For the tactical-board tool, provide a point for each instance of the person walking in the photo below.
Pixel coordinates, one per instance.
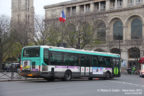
(133, 69)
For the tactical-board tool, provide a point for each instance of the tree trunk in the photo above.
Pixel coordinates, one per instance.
(0, 55)
(0, 61)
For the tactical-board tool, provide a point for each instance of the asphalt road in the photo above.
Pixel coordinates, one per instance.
(126, 85)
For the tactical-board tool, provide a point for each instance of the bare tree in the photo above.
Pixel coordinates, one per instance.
(22, 32)
(79, 34)
(45, 33)
(40, 33)
(4, 33)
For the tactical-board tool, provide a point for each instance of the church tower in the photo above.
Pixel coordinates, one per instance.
(22, 12)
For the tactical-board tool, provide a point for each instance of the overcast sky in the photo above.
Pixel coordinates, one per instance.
(5, 6)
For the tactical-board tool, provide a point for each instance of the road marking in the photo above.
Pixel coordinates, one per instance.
(128, 83)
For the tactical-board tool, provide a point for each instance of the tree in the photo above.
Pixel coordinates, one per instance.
(22, 32)
(45, 33)
(79, 34)
(4, 36)
(40, 34)
(55, 37)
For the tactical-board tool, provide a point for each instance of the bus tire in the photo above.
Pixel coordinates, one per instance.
(52, 79)
(68, 76)
(90, 78)
(107, 75)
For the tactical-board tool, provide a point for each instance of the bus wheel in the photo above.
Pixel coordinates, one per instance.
(107, 75)
(90, 78)
(52, 79)
(68, 76)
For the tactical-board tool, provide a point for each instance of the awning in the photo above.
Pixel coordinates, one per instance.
(141, 60)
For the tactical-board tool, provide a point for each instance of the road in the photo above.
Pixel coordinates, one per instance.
(126, 85)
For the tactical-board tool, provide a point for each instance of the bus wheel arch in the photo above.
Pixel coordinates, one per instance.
(67, 75)
(108, 75)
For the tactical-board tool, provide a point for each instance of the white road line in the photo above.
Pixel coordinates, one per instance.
(128, 83)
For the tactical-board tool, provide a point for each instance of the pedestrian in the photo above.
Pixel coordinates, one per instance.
(133, 69)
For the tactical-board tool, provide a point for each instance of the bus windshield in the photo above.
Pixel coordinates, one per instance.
(31, 52)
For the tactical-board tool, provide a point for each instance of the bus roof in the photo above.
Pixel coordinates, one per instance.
(79, 51)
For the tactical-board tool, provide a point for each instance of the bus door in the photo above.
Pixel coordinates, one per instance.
(85, 65)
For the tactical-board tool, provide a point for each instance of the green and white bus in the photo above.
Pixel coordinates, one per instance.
(66, 63)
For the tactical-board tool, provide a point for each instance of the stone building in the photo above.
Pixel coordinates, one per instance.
(122, 22)
(22, 19)
(22, 12)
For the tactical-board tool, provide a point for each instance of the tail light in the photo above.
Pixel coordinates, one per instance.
(21, 67)
(39, 67)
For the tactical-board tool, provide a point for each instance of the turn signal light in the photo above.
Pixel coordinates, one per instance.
(21, 67)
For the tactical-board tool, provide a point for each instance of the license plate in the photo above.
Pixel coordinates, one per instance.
(29, 75)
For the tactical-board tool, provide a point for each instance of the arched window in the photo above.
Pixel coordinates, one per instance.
(118, 30)
(134, 53)
(136, 29)
(101, 31)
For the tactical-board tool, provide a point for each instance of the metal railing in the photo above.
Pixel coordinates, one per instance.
(10, 75)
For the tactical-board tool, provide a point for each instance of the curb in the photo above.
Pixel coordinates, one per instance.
(10, 80)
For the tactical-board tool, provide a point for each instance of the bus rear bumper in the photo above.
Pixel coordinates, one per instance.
(36, 74)
(30, 74)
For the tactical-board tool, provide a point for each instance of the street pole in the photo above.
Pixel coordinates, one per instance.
(119, 48)
(61, 43)
(62, 37)
(0, 50)
(78, 42)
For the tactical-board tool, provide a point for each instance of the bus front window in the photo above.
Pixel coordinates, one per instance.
(31, 52)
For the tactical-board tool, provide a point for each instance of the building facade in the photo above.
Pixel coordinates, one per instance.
(22, 12)
(22, 20)
(122, 22)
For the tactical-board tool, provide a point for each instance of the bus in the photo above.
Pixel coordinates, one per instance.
(51, 63)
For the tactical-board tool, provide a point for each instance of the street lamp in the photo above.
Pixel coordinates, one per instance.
(119, 45)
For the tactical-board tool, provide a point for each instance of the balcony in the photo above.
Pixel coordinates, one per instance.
(116, 43)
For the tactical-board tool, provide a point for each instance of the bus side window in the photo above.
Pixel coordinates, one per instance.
(82, 60)
(107, 62)
(111, 61)
(46, 56)
(66, 59)
(95, 62)
(85, 60)
(76, 63)
(70, 59)
(56, 58)
(101, 61)
(114, 61)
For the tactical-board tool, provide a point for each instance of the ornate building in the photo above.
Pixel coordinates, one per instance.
(122, 22)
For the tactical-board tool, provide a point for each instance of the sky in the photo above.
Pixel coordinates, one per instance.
(5, 6)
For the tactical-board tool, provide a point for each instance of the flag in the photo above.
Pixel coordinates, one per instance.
(62, 18)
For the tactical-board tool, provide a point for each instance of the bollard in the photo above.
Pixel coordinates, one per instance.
(12, 72)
